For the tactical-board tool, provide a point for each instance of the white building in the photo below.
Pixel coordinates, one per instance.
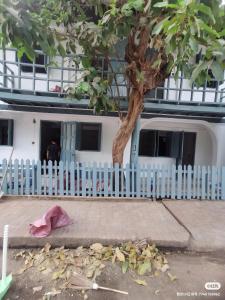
(179, 125)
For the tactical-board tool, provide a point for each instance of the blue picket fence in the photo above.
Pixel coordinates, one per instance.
(92, 179)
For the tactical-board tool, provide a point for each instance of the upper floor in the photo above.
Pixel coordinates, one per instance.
(45, 83)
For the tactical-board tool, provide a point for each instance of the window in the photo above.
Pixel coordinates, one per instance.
(40, 59)
(6, 132)
(155, 143)
(147, 143)
(88, 136)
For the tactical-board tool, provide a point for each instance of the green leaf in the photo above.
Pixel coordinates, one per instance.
(140, 282)
(206, 10)
(86, 62)
(167, 5)
(193, 44)
(61, 50)
(208, 29)
(222, 33)
(143, 268)
(217, 70)
(125, 266)
(200, 67)
(158, 28)
(84, 86)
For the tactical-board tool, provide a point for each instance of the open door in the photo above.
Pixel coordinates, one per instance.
(68, 141)
(189, 142)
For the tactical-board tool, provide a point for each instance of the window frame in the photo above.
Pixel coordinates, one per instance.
(10, 132)
(156, 142)
(79, 136)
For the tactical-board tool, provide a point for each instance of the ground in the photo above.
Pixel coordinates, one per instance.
(192, 270)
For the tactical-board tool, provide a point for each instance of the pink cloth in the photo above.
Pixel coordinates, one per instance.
(55, 217)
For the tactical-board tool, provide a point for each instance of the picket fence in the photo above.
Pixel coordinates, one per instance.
(92, 179)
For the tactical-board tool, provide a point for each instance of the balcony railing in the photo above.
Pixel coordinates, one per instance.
(55, 77)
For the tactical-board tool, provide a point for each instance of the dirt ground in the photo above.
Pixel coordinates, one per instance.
(192, 272)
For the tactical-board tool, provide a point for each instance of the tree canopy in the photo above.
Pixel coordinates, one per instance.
(160, 36)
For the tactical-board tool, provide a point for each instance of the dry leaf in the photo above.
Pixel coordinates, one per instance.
(140, 282)
(171, 277)
(165, 268)
(37, 289)
(97, 247)
(53, 293)
(157, 292)
(120, 256)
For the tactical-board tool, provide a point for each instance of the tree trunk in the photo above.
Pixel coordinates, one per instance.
(135, 106)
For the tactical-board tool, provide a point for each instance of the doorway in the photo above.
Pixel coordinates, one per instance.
(189, 141)
(50, 130)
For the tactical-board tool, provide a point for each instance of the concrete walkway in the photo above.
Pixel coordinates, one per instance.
(193, 225)
(108, 222)
(205, 220)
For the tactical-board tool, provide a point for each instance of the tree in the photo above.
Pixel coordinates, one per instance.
(159, 36)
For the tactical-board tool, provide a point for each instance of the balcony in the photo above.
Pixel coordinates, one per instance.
(45, 83)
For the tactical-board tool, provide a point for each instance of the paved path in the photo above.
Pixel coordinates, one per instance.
(194, 225)
(95, 221)
(204, 219)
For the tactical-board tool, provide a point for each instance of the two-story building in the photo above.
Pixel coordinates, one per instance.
(180, 123)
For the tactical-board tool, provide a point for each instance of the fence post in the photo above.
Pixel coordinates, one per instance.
(22, 177)
(61, 178)
(50, 177)
(209, 186)
(83, 180)
(223, 183)
(213, 195)
(39, 183)
(138, 181)
(45, 177)
(27, 178)
(149, 182)
(33, 179)
(153, 182)
(16, 177)
(72, 178)
(56, 177)
(94, 179)
(106, 180)
(203, 182)
(173, 181)
(162, 192)
(127, 180)
(4, 180)
(66, 178)
(117, 180)
(89, 179)
(189, 182)
(179, 181)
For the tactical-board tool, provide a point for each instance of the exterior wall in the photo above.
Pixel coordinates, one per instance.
(27, 136)
(210, 144)
(208, 149)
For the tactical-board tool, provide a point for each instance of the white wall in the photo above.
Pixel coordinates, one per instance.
(210, 142)
(205, 146)
(27, 135)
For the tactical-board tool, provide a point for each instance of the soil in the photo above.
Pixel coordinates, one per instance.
(192, 271)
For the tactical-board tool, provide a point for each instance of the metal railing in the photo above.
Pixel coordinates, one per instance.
(92, 179)
(55, 77)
